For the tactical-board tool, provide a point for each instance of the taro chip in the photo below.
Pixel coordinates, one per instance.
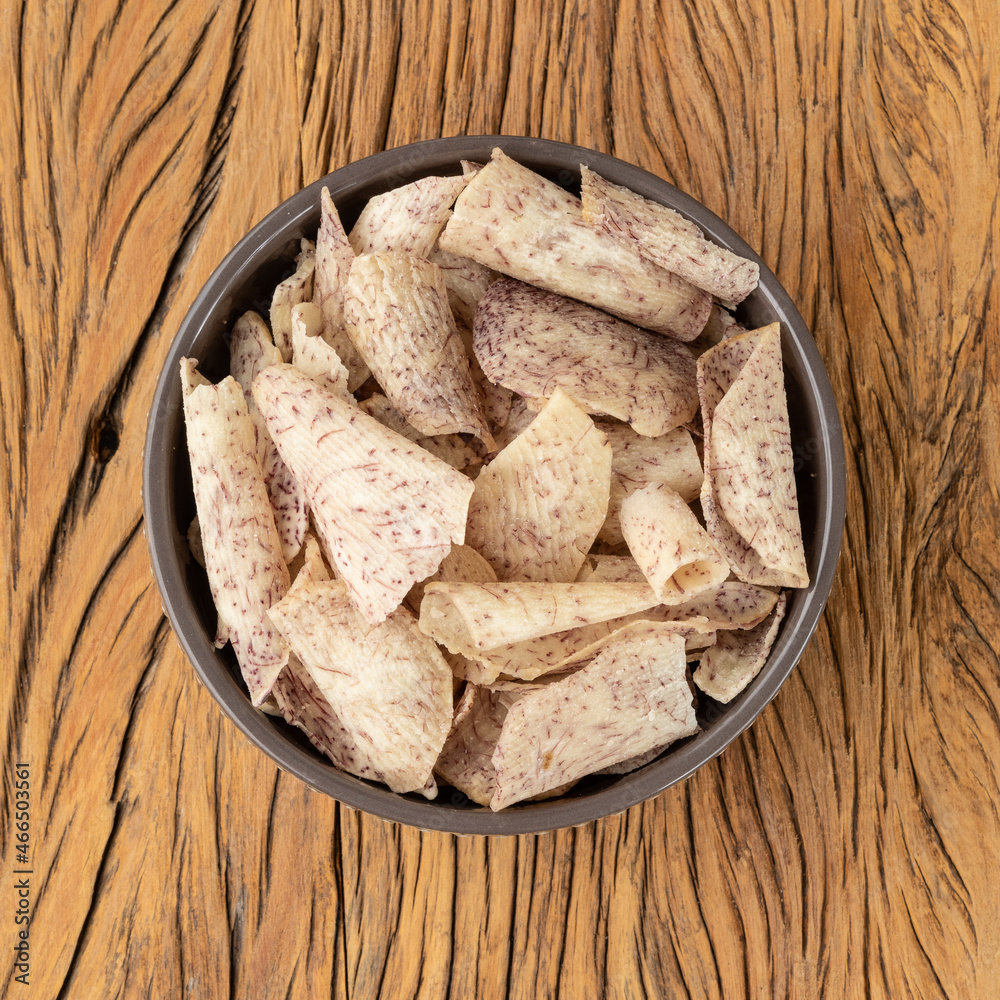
(737, 657)
(731, 605)
(673, 550)
(246, 571)
(471, 617)
(539, 504)
(462, 565)
(665, 237)
(519, 223)
(407, 218)
(293, 290)
(751, 465)
(534, 342)
(388, 684)
(450, 448)
(397, 313)
(636, 461)
(386, 510)
(601, 568)
(334, 258)
(466, 281)
(312, 355)
(634, 696)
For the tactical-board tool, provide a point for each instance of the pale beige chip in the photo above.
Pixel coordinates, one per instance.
(602, 568)
(636, 461)
(737, 657)
(462, 565)
(674, 551)
(386, 510)
(525, 226)
(388, 685)
(246, 571)
(466, 280)
(450, 448)
(312, 355)
(251, 350)
(334, 257)
(471, 617)
(539, 504)
(732, 604)
(721, 326)
(293, 290)
(407, 218)
(751, 465)
(398, 317)
(632, 697)
(535, 342)
(665, 237)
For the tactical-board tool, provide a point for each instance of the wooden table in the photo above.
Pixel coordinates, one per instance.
(846, 846)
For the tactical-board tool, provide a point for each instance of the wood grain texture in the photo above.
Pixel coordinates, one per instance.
(846, 845)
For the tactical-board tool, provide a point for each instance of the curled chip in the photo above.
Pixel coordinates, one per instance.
(539, 504)
(334, 257)
(535, 342)
(665, 237)
(293, 290)
(729, 666)
(312, 355)
(636, 461)
(385, 522)
(732, 604)
(749, 496)
(246, 572)
(633, 697)
(522, 225)
(407, 218)
(398, 317)
(388, 684)
(673, 550)
(469, 617)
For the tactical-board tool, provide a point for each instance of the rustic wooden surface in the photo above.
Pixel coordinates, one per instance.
(848, 845)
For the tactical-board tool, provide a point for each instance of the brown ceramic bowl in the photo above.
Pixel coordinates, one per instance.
(245, 280)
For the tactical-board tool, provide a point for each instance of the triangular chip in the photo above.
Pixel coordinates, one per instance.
(407, 218)
(671, 459)
(525, 226)
(673, 550)
(731, 605)
(751, 465)
(666, 238)
(462, 565)
(534, 342)
(334, 257)
(293, 290)
(386, 510)
(246, 572)
(737, 657)
(633, 697)
(312, 355)
(397, 313)
(469, 617)
(388, 685)
(539, 504)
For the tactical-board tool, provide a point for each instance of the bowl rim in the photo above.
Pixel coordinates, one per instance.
(405, 163)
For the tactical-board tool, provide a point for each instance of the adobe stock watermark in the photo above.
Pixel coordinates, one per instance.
(22, 873)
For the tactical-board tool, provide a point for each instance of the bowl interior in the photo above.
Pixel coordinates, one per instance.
(246, 279)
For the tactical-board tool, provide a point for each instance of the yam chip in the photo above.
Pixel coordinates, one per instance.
(521, 224)
(470, 617)
(450, 448)
(535, 342)
(407, 218)
(751, 466)
(293, 290)
(386, 510)
(312, 355)
(388, 684)
(673, 550)
(632, 697)
(246, 571)
(665, 237)
(636, 461)
(334, 257)
(737, 657)
(399, 319)
(539, 504)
